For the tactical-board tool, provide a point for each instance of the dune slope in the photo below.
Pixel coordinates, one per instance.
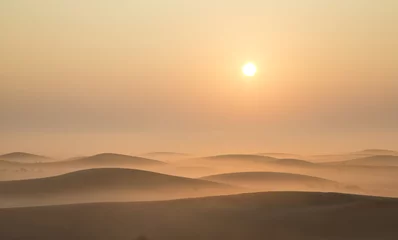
(273, 215)
(276, 181)
(99, 185)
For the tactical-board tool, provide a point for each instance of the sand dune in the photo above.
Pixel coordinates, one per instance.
(380, 160)
(98, 185)
(101, 160)
(351, 155)
(290, 162)
(104, 160)
(112, 159)
(376, 152)
(280, 155)
(24, 157)
(276, 181)
(167, 156)
(236, 159)
(273, 215)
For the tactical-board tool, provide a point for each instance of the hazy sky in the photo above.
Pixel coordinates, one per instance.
(88, 76)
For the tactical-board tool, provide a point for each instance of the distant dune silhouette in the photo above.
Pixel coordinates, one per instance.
(103, 160)
(167, 156)
(231, 158)
(276, 181)
(377, 152)
(280, 155)
(380, 160)
(273, 215)
(119, 159)
(293, 162)
(96, 185)
(351, 155)
(24, 157)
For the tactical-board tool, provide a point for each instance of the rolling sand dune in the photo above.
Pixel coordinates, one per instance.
(104, 160)
(351, 155)
(280, 155)
(376, 152)
(99, 185)
(379, 160)
(100, 161)
(276, 181)
(111, 159)
(24, 157)
(167, 156)
(272, 215)
(230, 159)
(290, 162)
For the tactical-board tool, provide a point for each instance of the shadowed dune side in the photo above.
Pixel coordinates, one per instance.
(272, 215)
(276, 181)
(100, 185)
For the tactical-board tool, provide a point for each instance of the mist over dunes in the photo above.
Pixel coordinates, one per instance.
(51, 195)
(275, 215)
(102, 160)
(378, 160)
(167, 156)
(230, 159)
(101, 185)
(276, 181)
(198, 120)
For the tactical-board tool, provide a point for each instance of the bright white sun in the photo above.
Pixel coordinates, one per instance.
(249, 69)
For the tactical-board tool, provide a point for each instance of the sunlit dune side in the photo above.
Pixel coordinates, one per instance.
(25, 157)
(101, 185)
(379, 160)
(272, 215)
(277, 181)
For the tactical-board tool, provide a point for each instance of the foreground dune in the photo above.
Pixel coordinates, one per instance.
(273, 215)
(101, 185)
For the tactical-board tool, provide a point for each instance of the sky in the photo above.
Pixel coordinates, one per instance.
(82, 77)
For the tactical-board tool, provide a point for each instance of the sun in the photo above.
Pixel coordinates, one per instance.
(249, 69)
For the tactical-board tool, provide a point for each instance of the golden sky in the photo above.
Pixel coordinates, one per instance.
(136, 76)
